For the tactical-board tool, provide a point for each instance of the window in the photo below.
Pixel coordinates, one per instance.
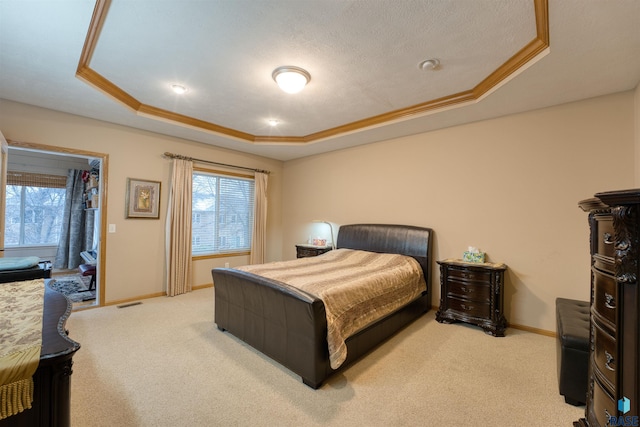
(222, 213)
(34, 206)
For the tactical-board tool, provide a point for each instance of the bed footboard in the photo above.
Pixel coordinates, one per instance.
(290, 325)
(283, 322)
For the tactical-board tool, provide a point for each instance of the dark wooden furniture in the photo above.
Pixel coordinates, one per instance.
(290, 325)
(572, 349)
(52, 380)
(40, 271)
(303, 251)
(89, 270)
(614, 364)
(472, 293)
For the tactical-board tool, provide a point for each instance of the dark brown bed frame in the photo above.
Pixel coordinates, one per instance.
(290, 325)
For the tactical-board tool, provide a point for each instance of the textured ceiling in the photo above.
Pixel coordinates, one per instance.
(363, 57)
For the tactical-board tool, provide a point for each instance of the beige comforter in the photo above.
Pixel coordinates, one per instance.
(356, 287)
(21, 309)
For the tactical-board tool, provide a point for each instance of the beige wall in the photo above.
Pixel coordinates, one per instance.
(509, 186)
(135, 253)
(637, 134)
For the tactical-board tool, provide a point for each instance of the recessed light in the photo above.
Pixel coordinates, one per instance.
(179, 89)
(429, 65)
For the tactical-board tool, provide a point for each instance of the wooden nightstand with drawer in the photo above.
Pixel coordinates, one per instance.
(303, 251)
(472, 293)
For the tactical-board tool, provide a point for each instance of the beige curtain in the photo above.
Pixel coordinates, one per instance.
(259, 236)
(178, 236)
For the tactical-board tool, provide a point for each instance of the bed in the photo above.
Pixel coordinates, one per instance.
(290, 325)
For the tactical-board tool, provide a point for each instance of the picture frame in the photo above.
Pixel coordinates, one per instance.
(143, 199)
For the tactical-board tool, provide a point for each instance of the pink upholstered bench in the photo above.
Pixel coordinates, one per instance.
(89, 270)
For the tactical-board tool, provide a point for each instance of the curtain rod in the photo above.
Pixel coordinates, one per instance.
(178, 156)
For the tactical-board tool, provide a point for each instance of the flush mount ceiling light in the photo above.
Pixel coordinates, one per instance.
(179, 89)
(291, 79)
(273, 122)
(429, 65)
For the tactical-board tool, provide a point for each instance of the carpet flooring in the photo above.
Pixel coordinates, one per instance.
(74, 287)
(164, 363)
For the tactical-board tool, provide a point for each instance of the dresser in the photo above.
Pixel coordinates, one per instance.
(472, 293)
(614, 381)
(52, 379)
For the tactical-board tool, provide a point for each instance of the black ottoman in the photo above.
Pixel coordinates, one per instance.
(572, 318)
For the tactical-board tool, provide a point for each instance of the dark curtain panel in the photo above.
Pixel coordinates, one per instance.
(77, 234)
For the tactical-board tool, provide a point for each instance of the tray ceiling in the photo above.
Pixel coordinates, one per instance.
(497, 57)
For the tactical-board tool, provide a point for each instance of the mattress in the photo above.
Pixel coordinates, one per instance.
(357, 288)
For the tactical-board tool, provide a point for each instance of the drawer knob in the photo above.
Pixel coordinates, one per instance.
(622, 246)
(607, 238)
(609, 361)
(626, 278)
(609, 301)
(466, 307)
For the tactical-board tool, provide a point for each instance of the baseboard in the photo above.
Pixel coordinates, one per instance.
(538, 331)
(157, 294)
(124, 301)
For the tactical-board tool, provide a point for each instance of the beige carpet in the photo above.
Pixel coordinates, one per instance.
(164, 363)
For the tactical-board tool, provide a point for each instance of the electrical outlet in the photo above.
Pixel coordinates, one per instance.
(226, 265)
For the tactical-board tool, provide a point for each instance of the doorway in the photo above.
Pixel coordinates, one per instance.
(80, 273)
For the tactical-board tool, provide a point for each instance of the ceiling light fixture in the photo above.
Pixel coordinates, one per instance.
(179, 89)
(291, 79)
(273, 122)
(429, 65)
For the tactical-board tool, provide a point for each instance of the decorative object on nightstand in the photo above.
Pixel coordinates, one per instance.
(333, 241)
(303, 251)
(472, 293)
(473, 255)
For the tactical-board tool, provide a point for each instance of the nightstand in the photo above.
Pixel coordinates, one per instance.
(472, 293)
(303, 251)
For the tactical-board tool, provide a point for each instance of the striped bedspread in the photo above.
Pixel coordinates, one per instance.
(356, 287)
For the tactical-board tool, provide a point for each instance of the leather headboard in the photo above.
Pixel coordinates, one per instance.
(388, 238)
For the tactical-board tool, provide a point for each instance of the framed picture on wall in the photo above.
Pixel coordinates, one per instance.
(143, 199)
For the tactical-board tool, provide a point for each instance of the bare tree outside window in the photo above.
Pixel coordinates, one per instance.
(33, 215)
